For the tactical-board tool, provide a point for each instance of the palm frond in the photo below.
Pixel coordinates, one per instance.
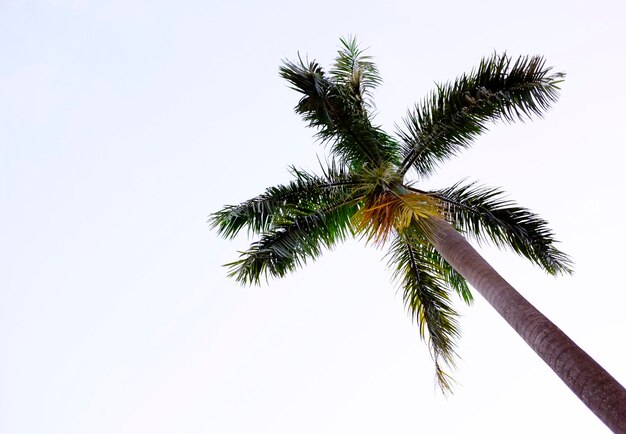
(337, 107)
(448, 274)
(454, 114)
(305, 192)
(293, 241)
(485, 214)
(426, 297)
(310, 80)
(355, 72)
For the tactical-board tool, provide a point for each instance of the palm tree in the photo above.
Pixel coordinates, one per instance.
(364, 190)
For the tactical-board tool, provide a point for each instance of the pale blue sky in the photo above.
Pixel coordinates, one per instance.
(123, 124)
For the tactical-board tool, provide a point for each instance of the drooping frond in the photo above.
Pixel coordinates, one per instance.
(262, 212)
(355, 72)
(426, 296)
(449, 274)
(485, 214)
(293, 241)
(337, 107)
(455, 113)
(310, 80)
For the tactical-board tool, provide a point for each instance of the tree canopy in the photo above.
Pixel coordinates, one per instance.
(368, 186)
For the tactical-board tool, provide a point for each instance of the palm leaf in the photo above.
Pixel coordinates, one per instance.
(426, 297)
(485, 214)
(262, 212)
(337, 106)
(355, 71)
(293, 241)
(454, 280)
(454, 114)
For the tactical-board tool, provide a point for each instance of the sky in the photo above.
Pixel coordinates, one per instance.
(124, 124)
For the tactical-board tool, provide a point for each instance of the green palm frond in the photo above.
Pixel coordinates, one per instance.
(305, 192)
(454, 280)
(315, 106)
(337, 107)
(485, 214)
(424, 284)
(356, 73)
(454, 114)
(293, 241)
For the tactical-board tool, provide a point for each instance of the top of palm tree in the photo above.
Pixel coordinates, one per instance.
(364, 189)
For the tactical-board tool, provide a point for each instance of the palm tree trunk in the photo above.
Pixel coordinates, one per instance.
(604, 396)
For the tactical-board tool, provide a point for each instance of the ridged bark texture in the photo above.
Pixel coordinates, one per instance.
(604, 396)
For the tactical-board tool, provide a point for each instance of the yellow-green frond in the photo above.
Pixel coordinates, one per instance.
(389, 212)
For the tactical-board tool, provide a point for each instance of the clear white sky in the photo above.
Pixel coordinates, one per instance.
(123, 124)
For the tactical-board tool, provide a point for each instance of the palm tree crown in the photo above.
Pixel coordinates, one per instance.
(364, 188)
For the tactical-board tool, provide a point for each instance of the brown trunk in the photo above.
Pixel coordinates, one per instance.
(604, 396)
